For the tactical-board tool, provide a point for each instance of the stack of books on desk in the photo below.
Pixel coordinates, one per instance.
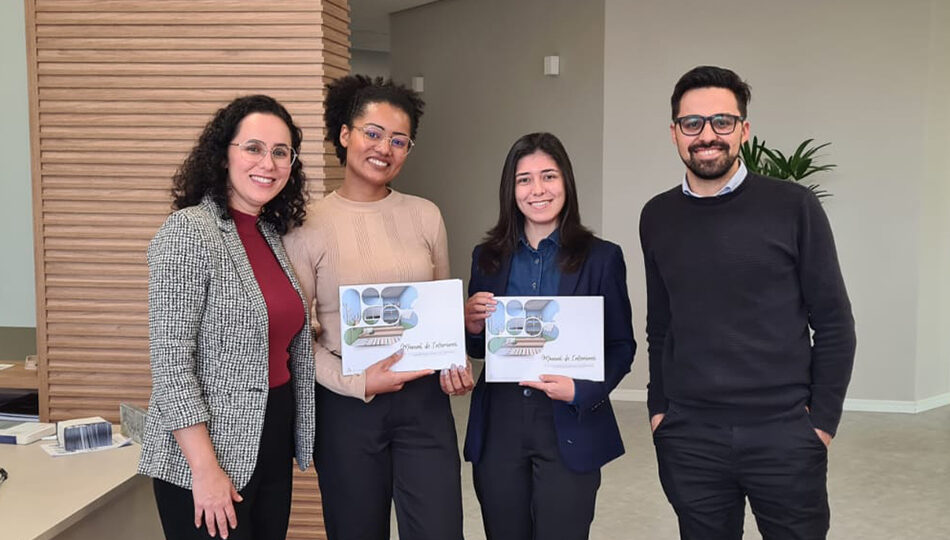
(13, 432)
(84, 433)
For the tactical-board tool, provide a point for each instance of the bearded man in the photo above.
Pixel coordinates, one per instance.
(750, 332)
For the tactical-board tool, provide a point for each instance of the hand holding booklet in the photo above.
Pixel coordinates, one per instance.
(529, 336)
(424, 319)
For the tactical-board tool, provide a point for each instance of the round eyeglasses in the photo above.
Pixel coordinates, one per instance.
(254, 151)
(374, 135)
(722, 124)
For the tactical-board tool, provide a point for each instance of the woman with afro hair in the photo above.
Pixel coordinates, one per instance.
(382, 435)
(229, 333)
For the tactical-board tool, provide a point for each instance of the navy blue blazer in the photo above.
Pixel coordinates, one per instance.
(587, 432)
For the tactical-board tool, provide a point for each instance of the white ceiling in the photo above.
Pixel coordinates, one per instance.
(369, 21)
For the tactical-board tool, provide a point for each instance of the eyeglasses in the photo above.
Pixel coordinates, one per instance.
(254, 152)
(376, 135)
(722, 124)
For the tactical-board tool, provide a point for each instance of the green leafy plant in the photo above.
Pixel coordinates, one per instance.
(761, 159)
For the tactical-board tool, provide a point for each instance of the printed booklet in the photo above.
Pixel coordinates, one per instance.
(528, 336)
(424, 319)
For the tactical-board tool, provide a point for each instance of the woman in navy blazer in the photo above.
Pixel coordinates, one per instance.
(537, 447)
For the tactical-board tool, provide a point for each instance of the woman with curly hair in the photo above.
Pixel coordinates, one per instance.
(382, 435)
(229, 335)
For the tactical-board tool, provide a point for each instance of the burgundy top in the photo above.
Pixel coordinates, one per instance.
(284, 308)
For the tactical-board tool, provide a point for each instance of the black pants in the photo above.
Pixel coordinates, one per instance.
(708, 468)
(525, 490)
(265, 511)
(400, 446)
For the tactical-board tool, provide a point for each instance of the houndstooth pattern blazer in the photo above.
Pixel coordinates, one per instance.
(208, 347)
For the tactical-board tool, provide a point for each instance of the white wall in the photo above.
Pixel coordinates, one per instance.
(482, 63)
(869, 76)
(17, 296)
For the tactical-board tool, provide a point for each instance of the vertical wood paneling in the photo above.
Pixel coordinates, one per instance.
(119, 90)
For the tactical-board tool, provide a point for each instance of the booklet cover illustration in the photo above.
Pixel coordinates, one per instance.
(529, 336)
(522, 329)
(424, 319)
(377, 318)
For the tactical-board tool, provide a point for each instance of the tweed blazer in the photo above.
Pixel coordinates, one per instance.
(208, 347)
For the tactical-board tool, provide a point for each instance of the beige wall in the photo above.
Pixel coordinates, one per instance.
(870, 76)
(372, 63)
(482, 63)
(933, 359)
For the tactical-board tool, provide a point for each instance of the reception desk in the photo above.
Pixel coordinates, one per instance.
(18, 376)
(94, 495)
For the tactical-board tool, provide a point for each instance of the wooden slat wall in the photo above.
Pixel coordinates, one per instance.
(119, 90)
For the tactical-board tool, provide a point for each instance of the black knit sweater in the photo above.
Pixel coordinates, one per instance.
(733, 285)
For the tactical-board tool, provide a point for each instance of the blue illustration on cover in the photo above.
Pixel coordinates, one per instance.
(378, 318)
(518, 329)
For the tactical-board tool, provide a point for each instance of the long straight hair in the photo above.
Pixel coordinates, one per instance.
(502, 239)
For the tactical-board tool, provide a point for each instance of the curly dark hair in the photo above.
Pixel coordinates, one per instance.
(502, 239)
(348, 96)
(204, 172)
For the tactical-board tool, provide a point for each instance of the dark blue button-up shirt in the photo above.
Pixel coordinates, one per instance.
(534, 272)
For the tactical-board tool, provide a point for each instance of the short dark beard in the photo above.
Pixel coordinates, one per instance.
(710, 170)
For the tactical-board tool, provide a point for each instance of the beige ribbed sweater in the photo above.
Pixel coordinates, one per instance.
(398, 239)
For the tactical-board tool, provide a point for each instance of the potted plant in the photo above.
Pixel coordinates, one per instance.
(760, 159)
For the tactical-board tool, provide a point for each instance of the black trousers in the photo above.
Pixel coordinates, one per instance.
(400, 446)
(708, 469)
(525, 490)
(265, 511)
